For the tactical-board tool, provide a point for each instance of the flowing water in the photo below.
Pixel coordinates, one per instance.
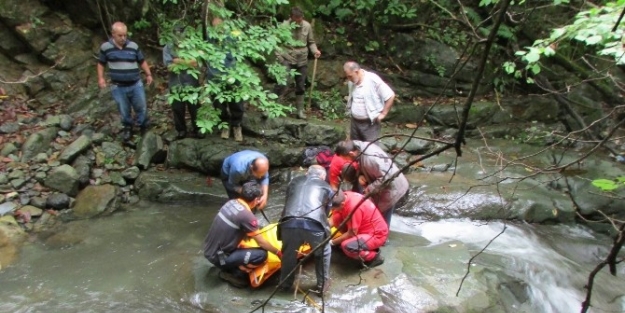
(149, 259)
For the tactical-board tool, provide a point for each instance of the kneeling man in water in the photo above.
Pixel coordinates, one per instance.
(234, 222)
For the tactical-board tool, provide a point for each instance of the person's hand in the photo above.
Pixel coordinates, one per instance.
(362, 181)
(102, 82)
(317, 54)
(148, 79)
(263, 202)
(279, 254)
(380, 117)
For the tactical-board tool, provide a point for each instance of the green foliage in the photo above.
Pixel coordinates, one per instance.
(609, 184)
(246, 42)
(331, 104)
(366, 12)
(141, 24)
(591, 27)
(439, 68)
(447, 35)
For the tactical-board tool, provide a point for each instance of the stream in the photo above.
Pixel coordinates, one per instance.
(149, 259)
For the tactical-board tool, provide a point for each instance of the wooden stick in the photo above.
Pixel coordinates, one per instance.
(299, 276)
(312, 84)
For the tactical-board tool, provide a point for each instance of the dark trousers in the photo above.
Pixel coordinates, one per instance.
(292, 239)
(179, 108)
(245, 257)
(231, 112)
(364, 130)
(300, 80)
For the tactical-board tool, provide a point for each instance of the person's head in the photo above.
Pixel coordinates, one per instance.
(352, 71)
(349, 172)
(260, 167)
(297, 15)
(316, 171)
(347, 150)
(338, 201)
(251, 192)
(119, 33)
(216, 21)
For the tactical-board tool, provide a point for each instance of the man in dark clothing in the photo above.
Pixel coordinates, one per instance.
(178, 79)
(234, 222)
(305, 220)
(231, 110)
(125, 61)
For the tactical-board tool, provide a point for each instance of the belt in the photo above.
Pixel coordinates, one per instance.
(124, 84)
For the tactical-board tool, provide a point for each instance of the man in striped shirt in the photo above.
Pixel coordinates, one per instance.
(124, 59)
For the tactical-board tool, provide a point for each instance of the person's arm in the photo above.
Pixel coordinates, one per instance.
(310, 41)
(388, 95)
(263, 243)
(101, 80)
(263, 199)
(346, 235)
(146, 68)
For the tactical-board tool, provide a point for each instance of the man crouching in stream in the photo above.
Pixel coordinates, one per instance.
(233, 223)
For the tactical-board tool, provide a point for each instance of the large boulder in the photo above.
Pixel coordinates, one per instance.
(64, 179)
(96, 200)
(164, 187)
(38, 142)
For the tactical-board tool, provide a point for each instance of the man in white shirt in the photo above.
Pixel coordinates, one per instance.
(370, 99)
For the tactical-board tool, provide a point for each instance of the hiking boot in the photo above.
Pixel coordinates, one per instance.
(299, 104)
(378, 260)
(143, 129)
(319, 289)
(225, 133)
(237, 281)
(126, 133)
(238, 134)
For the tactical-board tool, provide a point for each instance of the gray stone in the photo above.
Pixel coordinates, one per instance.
(77, 147)
(148, 147)
(66, 122)
(131, 173)
(98, 138)
(64, 179)
(96, 200)
(7, 207)
(15, 174)
(24, 199)
(63, 134)
(112, 150)
(18, 183)
(415, 145)
(117, 178)
(55, 163)
(82, 165)
(97, 172)
(41, 157)
(32, 210)
(40, 176)
(37, 143)
(2, 198)
(53, 120)
(58, 201)
(7, 149)
(165, 188)
(39, 202)
(4, 178)
(9, 128)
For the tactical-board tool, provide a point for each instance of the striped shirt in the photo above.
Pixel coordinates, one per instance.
(124, 64)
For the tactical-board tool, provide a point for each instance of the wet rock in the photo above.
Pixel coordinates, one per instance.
(39, 202)
(58, 201)
(41, 158)
(415, 145)
(82, 165)
(96, 200)
(2, 198)
(74, 149)
(131, 173)
(402, 296)
(11, 236)
(9, 128)
(149, 146)
(117, 178)
(163, 187)
(64, 179)
(7, 149)
(37, 143)
(4, 178)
